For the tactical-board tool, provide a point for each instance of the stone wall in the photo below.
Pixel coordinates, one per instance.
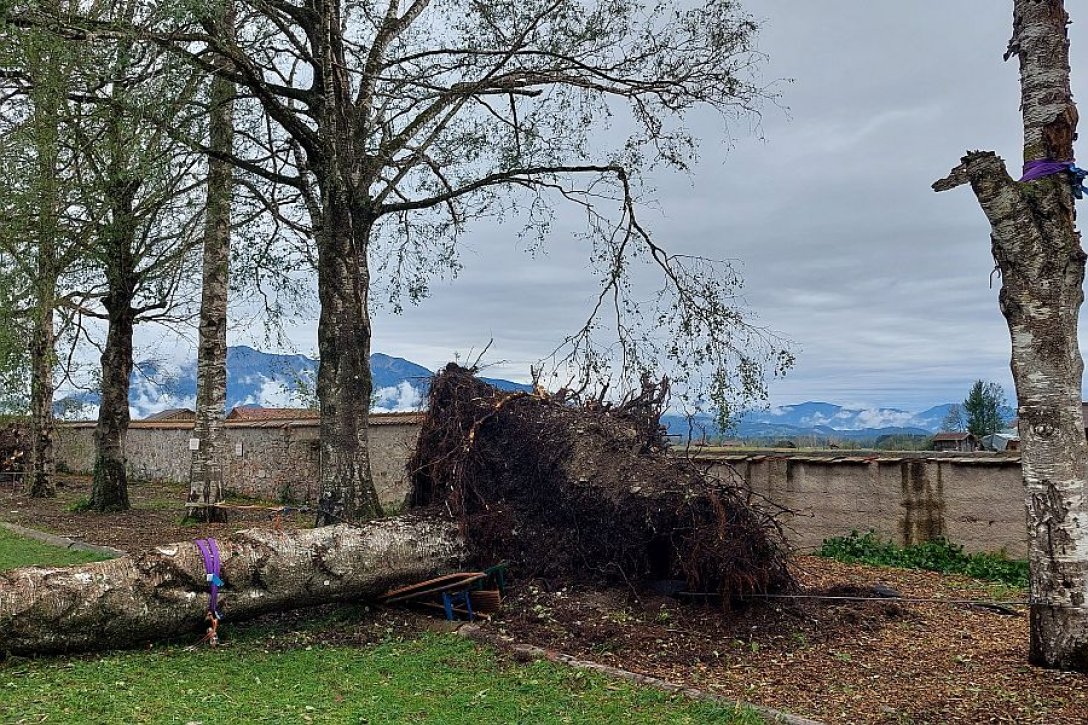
(973, 499)
(272, 460)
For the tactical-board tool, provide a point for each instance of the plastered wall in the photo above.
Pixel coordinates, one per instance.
(972, 499)
(975, 500)
(272, 461)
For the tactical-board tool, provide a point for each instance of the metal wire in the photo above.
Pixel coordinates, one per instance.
(906, 600)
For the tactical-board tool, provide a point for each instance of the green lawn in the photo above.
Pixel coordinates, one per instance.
(437, 678)
(17, 551)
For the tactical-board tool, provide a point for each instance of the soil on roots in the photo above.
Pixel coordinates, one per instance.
(585, 491)
(14, 451)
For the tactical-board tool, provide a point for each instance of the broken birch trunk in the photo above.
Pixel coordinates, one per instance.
(1037, 247)
(163, 593)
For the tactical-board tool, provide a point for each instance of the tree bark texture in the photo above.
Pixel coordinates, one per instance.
(42, 346)
(47, 98)
(206, 472)
(1037, 248)
(109, 490)
(163, 593)
(344, 383)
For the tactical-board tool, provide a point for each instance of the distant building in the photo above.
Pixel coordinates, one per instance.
(172, 415)
(1006, 440)
(256, 412)
(955, 441)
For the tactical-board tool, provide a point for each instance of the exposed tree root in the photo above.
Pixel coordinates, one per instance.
(576, 490)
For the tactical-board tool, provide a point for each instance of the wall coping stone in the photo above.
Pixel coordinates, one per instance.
(980, 458)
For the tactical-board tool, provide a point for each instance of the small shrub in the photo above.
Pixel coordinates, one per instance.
(938, 555)
(286, 494)
(80, 505)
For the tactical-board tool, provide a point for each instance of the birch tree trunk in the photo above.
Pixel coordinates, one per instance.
(206, 472)
(1037, 247)
(163, 593)
(47, 97)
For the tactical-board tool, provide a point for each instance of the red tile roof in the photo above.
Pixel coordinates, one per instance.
(254, 412)
(173, 414)
(309, 416)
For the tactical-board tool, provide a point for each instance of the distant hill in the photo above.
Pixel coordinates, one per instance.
(277, 380)
(261, 378)
(819, 420)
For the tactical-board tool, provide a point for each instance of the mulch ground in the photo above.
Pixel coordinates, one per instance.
(841, 661)
(156, 516)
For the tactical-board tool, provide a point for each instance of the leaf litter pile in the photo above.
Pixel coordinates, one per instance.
(584, 491)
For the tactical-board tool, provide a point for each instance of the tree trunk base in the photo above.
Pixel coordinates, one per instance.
(109, 488)
(1059, 638)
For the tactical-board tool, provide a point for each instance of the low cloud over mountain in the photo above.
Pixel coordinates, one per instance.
(273, 380)
(260, 378)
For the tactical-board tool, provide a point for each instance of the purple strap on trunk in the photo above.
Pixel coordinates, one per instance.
(1038, 169)
(209, 551)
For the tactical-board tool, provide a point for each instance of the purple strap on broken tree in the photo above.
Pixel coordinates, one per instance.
(1038, 169)
(209, 551)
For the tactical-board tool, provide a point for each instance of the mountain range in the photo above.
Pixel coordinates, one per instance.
(277, 380)
(260, 378)
(824, 420)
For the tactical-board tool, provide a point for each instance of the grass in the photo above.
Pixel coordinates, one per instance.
(17, 551)
(938, 555)
(436, 678)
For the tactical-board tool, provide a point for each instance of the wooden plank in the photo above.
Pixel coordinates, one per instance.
(460, 580)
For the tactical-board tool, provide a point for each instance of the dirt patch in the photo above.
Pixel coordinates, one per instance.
(155, 517)
(880, 661)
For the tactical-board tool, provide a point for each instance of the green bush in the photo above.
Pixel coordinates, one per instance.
(938, 555)
(80, 505)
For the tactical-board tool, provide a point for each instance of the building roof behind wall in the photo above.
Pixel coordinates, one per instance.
(173, 414)
(256, 412)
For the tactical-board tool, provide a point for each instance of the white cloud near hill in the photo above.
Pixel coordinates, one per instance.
(147, 397)
(396, 399)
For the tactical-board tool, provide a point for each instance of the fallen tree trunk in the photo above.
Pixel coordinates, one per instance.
(163, 593)
(561, 490)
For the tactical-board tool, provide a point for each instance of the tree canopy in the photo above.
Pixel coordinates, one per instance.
(984, 408)
(374, 134)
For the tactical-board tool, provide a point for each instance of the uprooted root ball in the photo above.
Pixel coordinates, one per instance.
(586, 492)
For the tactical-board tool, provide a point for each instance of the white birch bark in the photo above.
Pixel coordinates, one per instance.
(1037, 247)
(163, 593)
(206, 471)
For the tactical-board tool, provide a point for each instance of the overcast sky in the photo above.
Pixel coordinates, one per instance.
(883, 285)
